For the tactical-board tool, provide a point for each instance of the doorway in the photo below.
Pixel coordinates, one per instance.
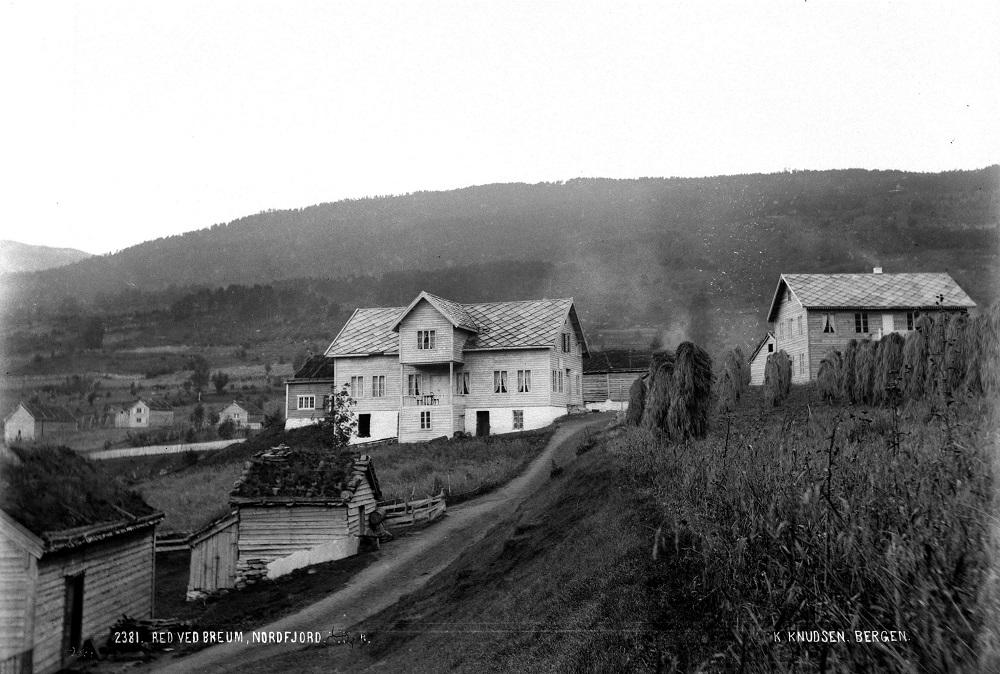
(364, 425)
(482, 424)
(73, 617)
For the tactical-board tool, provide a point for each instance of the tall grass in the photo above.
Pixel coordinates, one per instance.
(796, 524)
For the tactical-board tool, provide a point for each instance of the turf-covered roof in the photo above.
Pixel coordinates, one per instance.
(305, 474)
(616, 360)
(315, 367)
(494, 325)
(66, 500)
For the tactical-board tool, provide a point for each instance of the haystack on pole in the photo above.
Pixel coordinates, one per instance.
(975, 352)
(915, 359)
(658, 391)
(636, 402)
(829, 376)
(777, 377)
(956, 351)
(744, 364)
(989, 351)
(864, 372)
(691, 394)
(848, 365)
(937, 375)
(732, 382)
(887, 383)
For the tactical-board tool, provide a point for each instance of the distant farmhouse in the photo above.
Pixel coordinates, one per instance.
(243, 415)
(31, 421)
(291, 508)
(73, 559)
(145, 414)
(608, 376)
(437, 367)
(812, 314)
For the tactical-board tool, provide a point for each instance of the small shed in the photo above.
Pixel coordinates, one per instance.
(33, 421)
(145, 414)
(291, 508)
(758, 359)
(243, 414)
(608, 376)
(74, 557)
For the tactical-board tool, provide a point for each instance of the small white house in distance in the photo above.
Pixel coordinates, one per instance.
(439, 367)
(813, 314)
(243, 415)
(145, 414)
(31, 421)
(758, 359)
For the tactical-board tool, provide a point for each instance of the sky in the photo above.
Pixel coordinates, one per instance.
(128, 121)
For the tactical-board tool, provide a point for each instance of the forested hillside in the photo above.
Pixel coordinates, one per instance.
(694, 258)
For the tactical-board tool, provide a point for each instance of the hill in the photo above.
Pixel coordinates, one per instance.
(645, 259)
(21, 257)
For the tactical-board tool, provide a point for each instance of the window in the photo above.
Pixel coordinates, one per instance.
(829, 327)
(413, 384)
(557, 381)
(770, 348)
(378, 386)
(425, 421)
(357, 387)
(566, 343)
(799, 321)
(554, 386)
(802, 363)
(499, 381)
(138, 420)
(911, 319)
(518, 420)
(861, 322)
(523, 381)
(306, 402)
(578, 389)
(425, 339)
(461, 383)
(789, 328)
(569, 380)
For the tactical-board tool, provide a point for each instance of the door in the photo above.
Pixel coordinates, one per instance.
(73, 617)
(362, 522)
(888, 324)
(482, 423)
(364, 425)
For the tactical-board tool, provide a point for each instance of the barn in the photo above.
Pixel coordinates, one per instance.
(291, 508)
(758, 359)
(74, 557)
(32, 421)
(608, 376)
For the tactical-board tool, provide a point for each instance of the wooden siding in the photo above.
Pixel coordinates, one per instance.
(442, 420)
(362, 497)
(572, 394)
(760, 361)
(19, 423)
(117, 579)
(482, 364)
(601, 386)
(270, 533)
(367, 367)
(791, 335)
(310, 388)
(18, 576)
(213, 557)
(434, 380)
(425, 317)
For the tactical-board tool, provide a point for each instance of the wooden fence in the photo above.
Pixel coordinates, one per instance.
(152, 450)
(410, 513)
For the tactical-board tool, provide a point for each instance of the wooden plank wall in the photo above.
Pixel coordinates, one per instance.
(118, 579)
(270, 533)
(362, 497)
(18, 575)
(213, 560)
(425, 317)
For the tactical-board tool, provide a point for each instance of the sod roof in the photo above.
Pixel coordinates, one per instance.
(304, 474)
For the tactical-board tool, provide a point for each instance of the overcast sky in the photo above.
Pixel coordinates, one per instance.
(127, 121)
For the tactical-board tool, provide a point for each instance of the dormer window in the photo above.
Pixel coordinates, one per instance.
(425, 339)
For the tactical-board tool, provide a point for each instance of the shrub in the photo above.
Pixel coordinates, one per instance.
(691, 396)
(227, 429)
(915, 359)
(777, 378)
(658, 391)
(864, 372)
(829, 376)
(636, 402)
(886, 384)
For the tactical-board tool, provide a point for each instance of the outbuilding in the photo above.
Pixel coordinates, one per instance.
(243, 415)
(34, 422)
(608, 376)
(758, 359)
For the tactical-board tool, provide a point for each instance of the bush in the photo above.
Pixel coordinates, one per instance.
(830, 375)
(777, 378)
(691, 396)
(887, 382)
(227, 429)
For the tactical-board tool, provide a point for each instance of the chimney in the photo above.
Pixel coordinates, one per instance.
(877, 270)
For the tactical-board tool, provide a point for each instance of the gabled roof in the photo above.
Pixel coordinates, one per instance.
(155, 405)
(760, 345)
(249, 408)
(48, 413)
(495, 325)
(871, 291)
(456, 313)
(315, 367)
(617, 360)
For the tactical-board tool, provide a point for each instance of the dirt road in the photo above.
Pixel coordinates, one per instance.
(405, 565)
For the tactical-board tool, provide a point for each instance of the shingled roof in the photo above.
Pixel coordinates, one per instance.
(315, 367)
(48, 413)
(495, 325)
(872, 291)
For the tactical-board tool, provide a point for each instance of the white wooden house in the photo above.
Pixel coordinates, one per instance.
(145, 414)
(437, 367)
(69, 571)
(758, 359)
(35, 422)
(243, 415)
(291, 509)
(812, 314)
